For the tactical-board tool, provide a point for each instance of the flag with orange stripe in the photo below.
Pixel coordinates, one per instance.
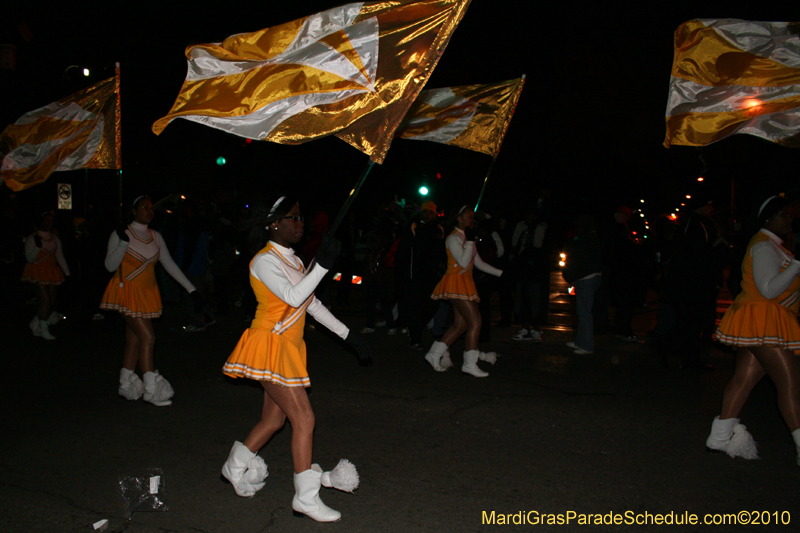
(474, 117)
(351, 71)
(734, 76)
(80, 131)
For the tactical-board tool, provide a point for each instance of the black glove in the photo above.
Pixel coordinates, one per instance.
(469, 233)
(37, 240)
(121, 233)
(362, 348)
(198, 301)
(328, 251)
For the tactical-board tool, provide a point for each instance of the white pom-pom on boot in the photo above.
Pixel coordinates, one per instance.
(434, 355)
(470, 365)
(742, 444)
(306, 499)
(245, 470)
(796, 437)
(344, 477)
(55, 318)
(130, 386)
(729, 436)
(445, 362)
(489, 357)
(157, 390)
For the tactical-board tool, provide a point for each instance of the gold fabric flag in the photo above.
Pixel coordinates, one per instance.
(352, 71)
(474, 117)
(734, 76)
(80, 131)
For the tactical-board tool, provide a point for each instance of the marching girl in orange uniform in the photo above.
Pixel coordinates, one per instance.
(762, 323)
(44, 254)
(273, 352)
(458, 286)
(132, 254)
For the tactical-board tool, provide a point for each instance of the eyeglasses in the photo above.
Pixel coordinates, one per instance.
(295, 218)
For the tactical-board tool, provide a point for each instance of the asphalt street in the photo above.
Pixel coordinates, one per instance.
(614, 435)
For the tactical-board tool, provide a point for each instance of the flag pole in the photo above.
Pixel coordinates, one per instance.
(485, 181)
(118, 139)
(353, 193)
(494, 158)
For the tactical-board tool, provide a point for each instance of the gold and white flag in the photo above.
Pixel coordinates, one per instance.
(734, 76)
(474, 117)
(80, 131)
(352, 71)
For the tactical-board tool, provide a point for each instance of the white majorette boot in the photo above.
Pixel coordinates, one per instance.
(731, 437)
(445, 362)
(43, 331)
(434, 355)
(489, 357)
(34, 325)
(306, 497)
(796, 437)
(130, 386)
(470, 365)
(157, 390)
(245, 470)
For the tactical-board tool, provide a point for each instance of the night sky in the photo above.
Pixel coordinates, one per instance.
(589, 126)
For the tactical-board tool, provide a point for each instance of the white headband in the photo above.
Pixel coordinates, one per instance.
(768, 200)
(461, 210)
(139, 198)
(275, 206)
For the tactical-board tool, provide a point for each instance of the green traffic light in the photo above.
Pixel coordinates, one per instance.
(221, 161)
(423, 190)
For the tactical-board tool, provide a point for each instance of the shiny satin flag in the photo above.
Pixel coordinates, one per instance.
(474, 117)
(352, 71)
(80, 131)
(734, 76)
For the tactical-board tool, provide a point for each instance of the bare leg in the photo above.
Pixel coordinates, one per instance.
(748, 372)
(783, 367)
(470, 313)
(43, 296)
(272, 419)
(140, 341)
(293, 401)
(458, 327)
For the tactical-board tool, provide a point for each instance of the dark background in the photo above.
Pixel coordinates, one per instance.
(589, 125)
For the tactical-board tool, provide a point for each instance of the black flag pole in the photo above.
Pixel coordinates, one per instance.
(353, 193)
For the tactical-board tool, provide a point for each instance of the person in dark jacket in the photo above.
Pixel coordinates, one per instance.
(417, 265)
(584, 271)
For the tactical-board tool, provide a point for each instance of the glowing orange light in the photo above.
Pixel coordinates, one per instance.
(673, 216)
(751, 103)
(688, 196)
(701, 178)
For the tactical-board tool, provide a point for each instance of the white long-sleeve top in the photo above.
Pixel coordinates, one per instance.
(293, 286)
(464, 252)
(117, 248)
(768, 258)
(51, 244)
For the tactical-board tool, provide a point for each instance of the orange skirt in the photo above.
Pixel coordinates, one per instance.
(44, 273)
(265, 356)
(134, 299)
(759, 324)
(456, 287)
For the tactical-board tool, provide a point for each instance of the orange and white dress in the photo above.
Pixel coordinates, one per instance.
(43, 263)
(765, 312)
(457, 283)
(133, 290)
(273, 349)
